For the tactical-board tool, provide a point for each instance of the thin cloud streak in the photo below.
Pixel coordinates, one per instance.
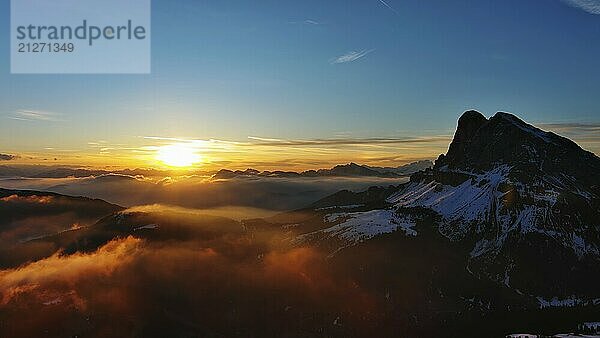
(351, 56)
(270, 141)
(308, 22)
(264, 139)
(590, 6)
(347, 141)
(35, 115)
(389, 7)
(571, 127)
(311, 22)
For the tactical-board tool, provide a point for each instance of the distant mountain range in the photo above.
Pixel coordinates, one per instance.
(345, 170)
(46, 171)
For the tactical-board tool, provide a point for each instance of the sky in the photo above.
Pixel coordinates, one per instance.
(308, 84)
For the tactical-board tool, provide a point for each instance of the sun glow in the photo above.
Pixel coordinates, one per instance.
(178, 155)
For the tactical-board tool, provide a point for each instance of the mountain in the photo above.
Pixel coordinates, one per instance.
(405, 170)
(16, 205)
(529, 200)
(26, 217)
(155, 226)
(350, 169)
(342, 170)
(523, 204)
(49, 171)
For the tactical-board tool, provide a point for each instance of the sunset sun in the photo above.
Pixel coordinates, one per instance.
(178, 155)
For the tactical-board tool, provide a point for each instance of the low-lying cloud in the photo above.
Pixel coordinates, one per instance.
(199, 192)
(135, 287)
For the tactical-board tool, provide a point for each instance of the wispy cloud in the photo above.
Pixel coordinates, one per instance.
(7, 157)
(572, 127)
(262, 141)
(351, 56)
(265, 139)
(35, 115)
(254, 141)
(198, 142)
(590, 6)
(383, 2)
(309, 22)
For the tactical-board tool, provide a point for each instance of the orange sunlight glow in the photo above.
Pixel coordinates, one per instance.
(178, 155)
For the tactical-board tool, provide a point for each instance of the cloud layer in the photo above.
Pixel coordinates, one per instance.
(213, 286)
(202, 192)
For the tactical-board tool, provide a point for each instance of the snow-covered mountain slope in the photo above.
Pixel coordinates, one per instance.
(491, 205)
(356, 227)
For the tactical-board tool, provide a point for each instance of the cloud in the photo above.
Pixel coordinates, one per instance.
(57, 268)
(308, 22)
(7, 157)
(311, 22)
(35, 115)
(389, 7)
(346, 141)
(264, 139)
(590, 6)
(272, 141)
(571, 127)
(351, 56)
(198, 192)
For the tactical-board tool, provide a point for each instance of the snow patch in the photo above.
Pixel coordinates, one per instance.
(352, 206)
(474, 202)
(356, 227)
(360, 226)
(557, 302)
(148, 226)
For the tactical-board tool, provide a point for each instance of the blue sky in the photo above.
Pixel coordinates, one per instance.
(273, 69)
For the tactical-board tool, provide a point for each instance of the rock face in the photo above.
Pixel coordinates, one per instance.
(480, 144)
(525, 202)
(468, 125)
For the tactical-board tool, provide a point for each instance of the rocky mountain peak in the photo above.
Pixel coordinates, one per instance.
(468, 125)
(481, 144)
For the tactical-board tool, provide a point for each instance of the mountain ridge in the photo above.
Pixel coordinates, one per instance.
(341, 170)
